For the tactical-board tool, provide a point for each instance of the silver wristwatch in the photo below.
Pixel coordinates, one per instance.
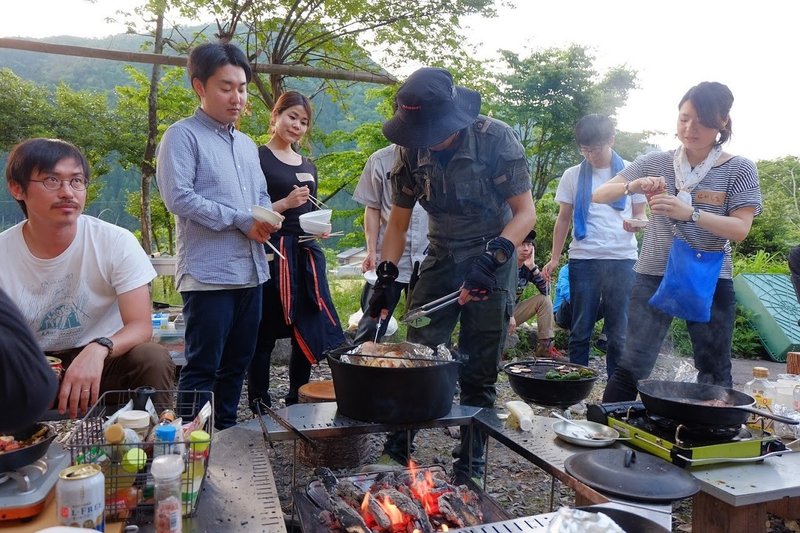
(695, 215)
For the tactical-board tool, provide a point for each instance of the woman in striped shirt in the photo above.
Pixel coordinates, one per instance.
(705, 196)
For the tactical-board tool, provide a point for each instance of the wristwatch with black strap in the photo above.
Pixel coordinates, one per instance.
(106, 342)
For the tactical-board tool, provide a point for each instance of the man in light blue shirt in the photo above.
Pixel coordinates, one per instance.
(209, 176)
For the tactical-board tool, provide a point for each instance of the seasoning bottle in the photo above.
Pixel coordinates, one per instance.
(761, 389)
(192, 478)
(164, 440)
(120, 440)
(166, 471)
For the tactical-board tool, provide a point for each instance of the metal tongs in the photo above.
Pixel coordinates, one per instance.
(418, 317)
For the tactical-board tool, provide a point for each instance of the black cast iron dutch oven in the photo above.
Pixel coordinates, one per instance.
(527, 379)
(27, 454)
(700, 403)
(393, 395)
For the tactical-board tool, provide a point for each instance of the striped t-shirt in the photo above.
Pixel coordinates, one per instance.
(726, 188)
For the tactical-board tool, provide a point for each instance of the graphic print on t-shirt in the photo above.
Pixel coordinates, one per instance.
(64, 316)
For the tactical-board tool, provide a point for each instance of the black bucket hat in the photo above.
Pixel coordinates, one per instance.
(430, 108)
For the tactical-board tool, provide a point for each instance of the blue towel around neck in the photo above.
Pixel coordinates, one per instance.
(583, 198)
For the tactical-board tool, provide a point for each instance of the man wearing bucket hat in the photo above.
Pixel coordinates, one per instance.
(470, 174)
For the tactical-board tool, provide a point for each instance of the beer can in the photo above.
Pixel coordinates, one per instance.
(57, 366)
(80, 497)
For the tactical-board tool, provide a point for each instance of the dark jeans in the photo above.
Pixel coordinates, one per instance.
(221, 329)
(563, 317)
(794, 269)
(592, 281)
(480, 339)
(647, 327)
(368, 325)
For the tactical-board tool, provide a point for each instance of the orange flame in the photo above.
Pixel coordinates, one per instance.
(391, 510)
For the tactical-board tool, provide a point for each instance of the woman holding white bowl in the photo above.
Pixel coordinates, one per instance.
(297, 301)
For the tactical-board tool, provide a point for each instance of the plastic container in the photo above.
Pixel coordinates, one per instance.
(167, 470)
(139, 421)
(120, 440)
(196, 461)
(164, 442)
(761, 388)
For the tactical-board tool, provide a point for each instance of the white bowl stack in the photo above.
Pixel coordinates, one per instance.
(265, 215)
(316, 222)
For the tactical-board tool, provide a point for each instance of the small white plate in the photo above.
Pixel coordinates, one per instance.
(570, 433)
(266, 215)
(639, 223)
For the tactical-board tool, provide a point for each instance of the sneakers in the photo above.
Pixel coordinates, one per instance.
(601, 343)
(546, 349)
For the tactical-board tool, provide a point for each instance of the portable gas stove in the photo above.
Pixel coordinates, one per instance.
(685, 446)
(24, 491)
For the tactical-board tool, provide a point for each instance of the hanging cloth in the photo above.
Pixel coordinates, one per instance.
(583, 198)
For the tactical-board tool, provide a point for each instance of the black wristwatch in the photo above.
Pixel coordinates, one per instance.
(106, 342)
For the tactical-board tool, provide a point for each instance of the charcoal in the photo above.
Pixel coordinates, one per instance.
(459, 512)
(327, 477)
(378, 514)
(349, 519)
(384, 480)
(408, 507)
(350, 493)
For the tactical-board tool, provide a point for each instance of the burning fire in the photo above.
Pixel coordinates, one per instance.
(423, 489)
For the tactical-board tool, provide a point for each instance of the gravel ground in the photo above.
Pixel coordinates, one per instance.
(518, 486)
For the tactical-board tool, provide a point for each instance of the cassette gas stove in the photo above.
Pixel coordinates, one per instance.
(683, 445)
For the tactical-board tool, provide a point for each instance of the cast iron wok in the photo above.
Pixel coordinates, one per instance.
(685, 402)
(27, 454)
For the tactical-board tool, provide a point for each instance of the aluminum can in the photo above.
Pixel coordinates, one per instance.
(57, 366)
(80, 497)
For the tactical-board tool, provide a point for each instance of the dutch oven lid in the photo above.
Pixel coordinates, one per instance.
(630, 475)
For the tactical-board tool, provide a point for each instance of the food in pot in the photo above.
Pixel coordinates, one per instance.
(712, 403)
(8, 443)
(576, 521)
(567, 373)
(396, 355)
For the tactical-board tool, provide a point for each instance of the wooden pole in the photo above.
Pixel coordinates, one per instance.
(179, 61)
(793, 362)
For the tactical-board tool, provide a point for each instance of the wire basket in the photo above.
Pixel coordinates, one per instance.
(129, 494)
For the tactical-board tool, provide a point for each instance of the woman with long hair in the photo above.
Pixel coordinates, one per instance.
(297, 301)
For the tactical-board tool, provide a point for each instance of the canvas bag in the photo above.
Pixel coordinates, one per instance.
(690, 279)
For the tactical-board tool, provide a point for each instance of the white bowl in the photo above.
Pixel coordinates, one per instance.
(322, 215)
(314, 227)
(266, 215)
(637, 222)
(371, 277)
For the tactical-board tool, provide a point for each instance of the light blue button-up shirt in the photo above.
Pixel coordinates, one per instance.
(209, 176)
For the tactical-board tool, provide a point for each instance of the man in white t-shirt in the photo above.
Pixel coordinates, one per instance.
(81, 283)
(374, 191)
(603, 248)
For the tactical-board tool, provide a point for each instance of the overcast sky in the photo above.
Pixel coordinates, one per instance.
(750, 46)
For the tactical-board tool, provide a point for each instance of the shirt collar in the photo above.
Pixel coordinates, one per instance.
(212, 123)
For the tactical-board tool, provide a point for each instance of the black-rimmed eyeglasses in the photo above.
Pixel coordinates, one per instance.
(52, 183)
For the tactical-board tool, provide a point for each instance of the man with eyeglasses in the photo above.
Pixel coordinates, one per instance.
(81, 283)
(603, 247)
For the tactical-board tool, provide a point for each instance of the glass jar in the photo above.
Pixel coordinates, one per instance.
(166, 471)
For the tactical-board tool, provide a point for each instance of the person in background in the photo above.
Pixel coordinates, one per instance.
(538, 304)
(27, 383)
(374, 191)
(81, 283)
(794, 271)
(470, 174)
(603, 247)
(209, 176)
(296, 301)
(711, 198)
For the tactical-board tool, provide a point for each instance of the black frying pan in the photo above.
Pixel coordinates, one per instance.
(687, 403)
(28, 454)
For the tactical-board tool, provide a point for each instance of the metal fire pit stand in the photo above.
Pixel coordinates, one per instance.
(541, 447)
